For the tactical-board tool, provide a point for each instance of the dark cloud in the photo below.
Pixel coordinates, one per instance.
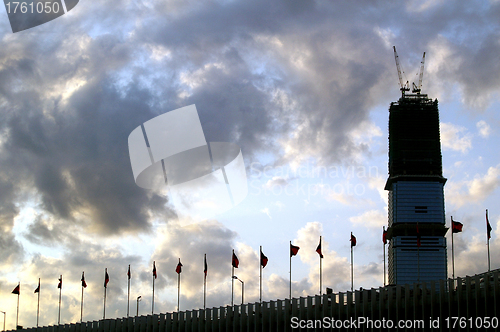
(11, 250)
(44, 233)
(240, 101)
(482, 79)
(78, 158)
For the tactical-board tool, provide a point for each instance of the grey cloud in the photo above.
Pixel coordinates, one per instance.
(482, 79)
(11, 250)
(43, 233)
(244, 106)
(74, 151)
(80, 160)
(372, 269)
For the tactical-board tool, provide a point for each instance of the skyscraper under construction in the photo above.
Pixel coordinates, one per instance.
(416, 233)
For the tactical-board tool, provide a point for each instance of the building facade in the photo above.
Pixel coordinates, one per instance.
(416, 232)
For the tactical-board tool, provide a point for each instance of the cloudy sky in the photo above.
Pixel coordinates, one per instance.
(302, 86)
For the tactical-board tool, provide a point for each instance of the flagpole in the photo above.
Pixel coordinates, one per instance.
(204, 284)
(488, 240)
(320, 271)
(38, 305)
(60, 292)
(104, 312)
(178, 291)
(17, 316)
(383, 244)
(81, 307)
(232, 280)
(452, 252)
(384, 266)
(128, 291)
(260, 279)
(320, 276)
(153, 302)
(290, 270)
(352, 270)
(489, 268)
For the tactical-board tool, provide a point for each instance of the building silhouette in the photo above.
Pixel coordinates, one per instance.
(416, 233)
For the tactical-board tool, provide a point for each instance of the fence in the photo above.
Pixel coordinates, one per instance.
(466, 304)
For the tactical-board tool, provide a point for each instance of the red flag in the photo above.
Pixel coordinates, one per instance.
(318, 249)
(205, 270)
(456, 226)
(17, 290)
(37, 290)
(178, 269)
(60, 282)
(128, 272)
(353, 240)
(488, 226)
(106, 278)
(263, 259)
(293, 250)
(418, 237)
(235, 261)
(384, 236)
(84, 284)
(154, 270)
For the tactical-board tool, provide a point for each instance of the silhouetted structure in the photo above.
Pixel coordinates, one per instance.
(416, 233)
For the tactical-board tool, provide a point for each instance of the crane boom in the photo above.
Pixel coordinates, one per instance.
(418, 88)
(404, 87)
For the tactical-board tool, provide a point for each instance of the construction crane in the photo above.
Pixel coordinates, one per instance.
(405, 86)
(418, 88)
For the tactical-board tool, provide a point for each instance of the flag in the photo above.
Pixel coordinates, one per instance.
(178, 269)
(384, 236)
(60, 282)
(205, 270)
(318, 249)
(263, 259)
(293, 250)
(353, 240)
(154, 270)
(17, 290)
(456, 226)
(106, 278)
(235, 262)
(84, 284)
(418, 237)
(37, 290)
(488, 226)
(128, 272)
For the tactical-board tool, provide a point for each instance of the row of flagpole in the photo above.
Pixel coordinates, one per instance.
(234, 264)
(455, 225)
